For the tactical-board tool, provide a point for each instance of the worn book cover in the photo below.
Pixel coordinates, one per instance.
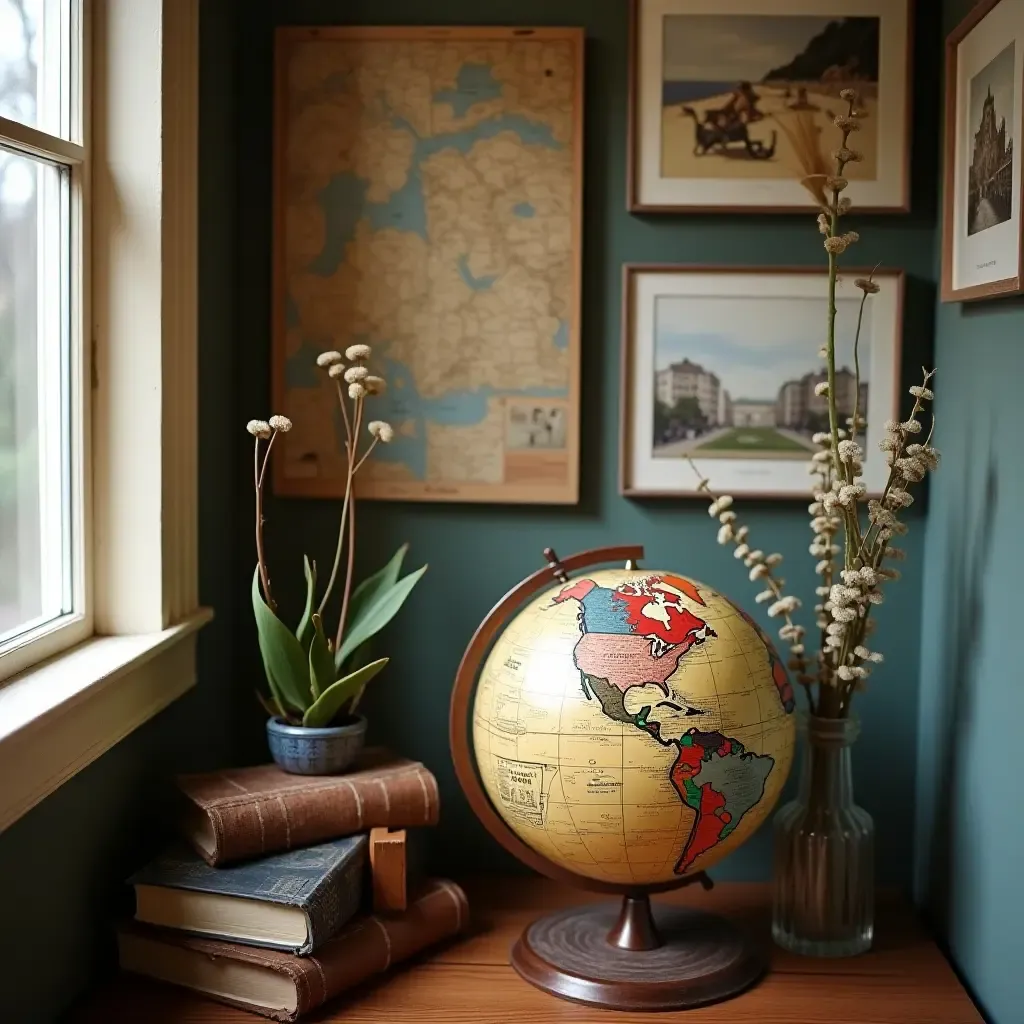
(293, 901)
(283, 986)
(242, 813)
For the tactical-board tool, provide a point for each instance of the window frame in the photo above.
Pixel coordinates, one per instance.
(43, 641)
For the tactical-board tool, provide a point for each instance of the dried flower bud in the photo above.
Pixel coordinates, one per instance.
(337, 370)
(357, 352)
(727, 517)
(850, 451)
(725, 533)
(719, 505)
(924, 394)
(821, 388)
(846, 124)
(867, 286)
(280, 423)
(849, 94)
(742, 550)
(843, 206)
(836, 182)
(384, 432)
(258, 428)
(356, 373)
(845, 155)
(836, 244)
(759, 571)
(356, 390)
(326, 359)
(773, 560)
(375, 385)
(741, 534)
(911, 427)
(765, 595)
(851, 237)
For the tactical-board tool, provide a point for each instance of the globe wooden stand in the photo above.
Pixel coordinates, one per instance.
(626, 957)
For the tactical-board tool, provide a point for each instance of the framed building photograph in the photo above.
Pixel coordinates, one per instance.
(982, 237)
(723, 91)
(720, 367)
(428, 186)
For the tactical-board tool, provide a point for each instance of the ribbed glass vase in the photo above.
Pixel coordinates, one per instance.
(824, 882)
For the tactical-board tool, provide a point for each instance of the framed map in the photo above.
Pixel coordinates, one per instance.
(427, 203)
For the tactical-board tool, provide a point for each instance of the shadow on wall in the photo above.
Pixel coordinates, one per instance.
(968, 546)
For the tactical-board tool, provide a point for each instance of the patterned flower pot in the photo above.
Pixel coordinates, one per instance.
(328, 751)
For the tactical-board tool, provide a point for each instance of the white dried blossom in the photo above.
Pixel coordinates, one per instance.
(822, 437)
(823, 567)
(911, 426)
(765, 595)
(851, 493)
(925, 394)
(844, 614)
(875, 597)
(326, 359)
(899, 498)
(821, 622)
(840, 595)
(258, 428)
(280, 423)
(845, 673)
(759, 571)
(843, 206)
(861, 651)
(821, 524)
(755, 556)
(879, 515)
(783, 606)
(848, 94)
(790, 631)
(823, 223)
(834, 641)
(821, 388)
(796, 649)
(725, 533)
(836, 244)
(741, 551)
(375, 385)
(868, 576)
(822, 591)
(357, 352)
(727, 517)
(741, 533)
(356, 373)
(837, 628)
(719, 505)
(815, 508)
(356, 390)
(896, 554)
(890, 574)
(337, 370)
(926, 454)
(821, 457)
(773, 560)
(384, 432)
(849, 451)
(823, 352)
(876, 657)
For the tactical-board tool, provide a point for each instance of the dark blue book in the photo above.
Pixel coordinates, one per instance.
(292, 901)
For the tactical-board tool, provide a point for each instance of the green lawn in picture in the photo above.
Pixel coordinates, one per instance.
(753, 440)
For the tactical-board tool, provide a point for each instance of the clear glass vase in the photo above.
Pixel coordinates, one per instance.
(824, 884)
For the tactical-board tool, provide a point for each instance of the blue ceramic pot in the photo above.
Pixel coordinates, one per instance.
(328, 751)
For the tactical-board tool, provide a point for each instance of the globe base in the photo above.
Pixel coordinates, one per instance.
(576, 955)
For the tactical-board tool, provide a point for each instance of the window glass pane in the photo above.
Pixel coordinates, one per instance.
(35, 63)
(35, 562)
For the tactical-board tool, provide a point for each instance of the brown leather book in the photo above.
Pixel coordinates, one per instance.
(284, 986)
(388, 869)
(249, 812)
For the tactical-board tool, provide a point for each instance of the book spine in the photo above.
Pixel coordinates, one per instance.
(334, 901)
(271, 823)
(377, 943)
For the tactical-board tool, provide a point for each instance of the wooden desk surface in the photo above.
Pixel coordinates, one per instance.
(903, 980)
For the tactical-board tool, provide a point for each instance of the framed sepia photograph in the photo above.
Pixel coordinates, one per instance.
(720, 366)
(721, 92)
(428, 186)
(982, 237)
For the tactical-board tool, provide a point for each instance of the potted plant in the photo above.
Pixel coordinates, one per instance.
(316, 680)
(824, 842)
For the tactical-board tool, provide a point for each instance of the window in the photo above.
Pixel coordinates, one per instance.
(43, 512)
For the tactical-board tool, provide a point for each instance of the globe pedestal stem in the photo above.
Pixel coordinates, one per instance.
(635, 929)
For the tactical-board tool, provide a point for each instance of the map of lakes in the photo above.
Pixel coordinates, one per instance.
(428, 197)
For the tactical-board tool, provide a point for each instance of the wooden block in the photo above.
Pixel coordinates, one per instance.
(388, 868)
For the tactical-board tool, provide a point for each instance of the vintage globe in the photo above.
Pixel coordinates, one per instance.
(632, 727)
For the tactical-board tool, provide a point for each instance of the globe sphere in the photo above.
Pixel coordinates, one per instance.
(633, 726)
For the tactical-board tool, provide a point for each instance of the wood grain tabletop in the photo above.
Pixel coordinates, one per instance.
(904, 979)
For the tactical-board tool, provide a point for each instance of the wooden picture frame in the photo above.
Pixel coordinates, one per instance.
(762, 450)
(441, 225)
(983, 234)
(677, 178)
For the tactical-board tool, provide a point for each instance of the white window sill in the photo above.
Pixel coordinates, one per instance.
(59, 716)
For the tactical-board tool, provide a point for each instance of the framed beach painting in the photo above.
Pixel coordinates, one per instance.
(720, 366)
(723, 92)
(982, 237)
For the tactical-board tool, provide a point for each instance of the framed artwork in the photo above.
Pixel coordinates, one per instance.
(720, 90)
(982, 236)
(427, 203)
(719, 366)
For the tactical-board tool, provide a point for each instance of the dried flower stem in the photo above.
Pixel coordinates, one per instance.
(357, 420)
(259, 471)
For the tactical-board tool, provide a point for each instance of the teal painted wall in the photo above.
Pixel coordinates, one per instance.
(970, 833)
(478, 552)
(63, 864)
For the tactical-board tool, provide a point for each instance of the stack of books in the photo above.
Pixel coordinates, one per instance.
(287, 889)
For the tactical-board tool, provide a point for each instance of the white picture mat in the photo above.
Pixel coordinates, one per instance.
(992, 254)
(782, 477)
(890, 187)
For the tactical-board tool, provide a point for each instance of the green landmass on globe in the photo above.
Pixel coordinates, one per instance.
(669, 679)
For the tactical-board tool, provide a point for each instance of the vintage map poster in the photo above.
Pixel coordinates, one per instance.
(427, 204)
